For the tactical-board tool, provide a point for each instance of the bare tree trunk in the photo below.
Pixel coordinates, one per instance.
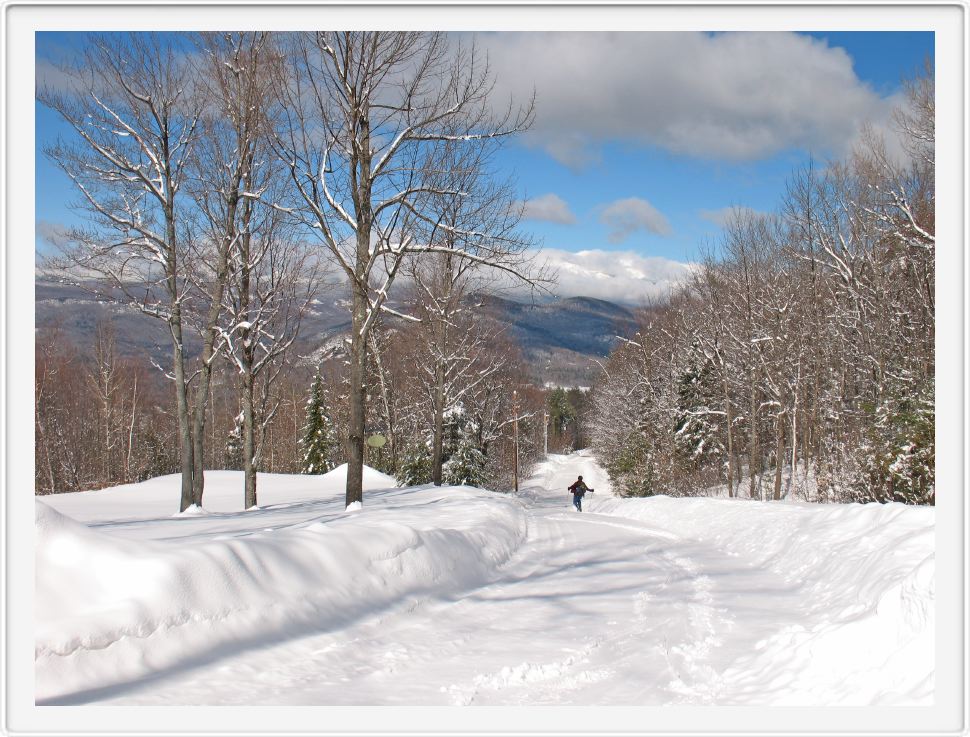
(730, 433)
(181, 385)
(754, 464)
(184, 417)
(184, 410)
(208, 356)
(211, 423)
(811, 431)
(355, 430)
(249, 465)
(131, 430)
(779, 453)
(362, 193)
(794, 445)
(437, 451)
(247, 359)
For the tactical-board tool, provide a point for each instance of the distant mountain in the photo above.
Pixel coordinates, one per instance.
(579, 324)
(77, 311)
(561, 339)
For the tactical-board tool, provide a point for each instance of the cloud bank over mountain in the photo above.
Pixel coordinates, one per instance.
(618, 276)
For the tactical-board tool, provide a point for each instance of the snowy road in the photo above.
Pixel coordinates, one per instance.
(590, 609)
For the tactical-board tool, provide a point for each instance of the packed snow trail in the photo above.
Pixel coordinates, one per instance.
(588, 609)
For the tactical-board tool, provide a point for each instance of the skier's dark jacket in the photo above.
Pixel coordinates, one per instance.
(579, 488)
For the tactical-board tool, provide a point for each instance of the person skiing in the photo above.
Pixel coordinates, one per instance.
(579, 489)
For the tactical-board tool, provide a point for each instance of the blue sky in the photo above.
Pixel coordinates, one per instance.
(640, 139)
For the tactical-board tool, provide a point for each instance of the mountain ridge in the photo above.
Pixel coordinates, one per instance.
(561, 338)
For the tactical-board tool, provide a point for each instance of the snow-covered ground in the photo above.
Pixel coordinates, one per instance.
(453, 595)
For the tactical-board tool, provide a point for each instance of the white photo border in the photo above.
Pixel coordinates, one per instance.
(18, 713)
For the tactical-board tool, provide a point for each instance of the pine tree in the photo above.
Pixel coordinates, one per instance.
(454, 423)
(234, 445)
(417, 466)
(899, 449)
(634, 470)
(697, 435)
(467, 464)
(562, 417)
(318, 443)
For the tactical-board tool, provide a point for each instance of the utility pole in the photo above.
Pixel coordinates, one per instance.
(515, 439)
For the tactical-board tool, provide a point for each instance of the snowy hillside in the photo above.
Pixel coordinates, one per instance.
(455, 595)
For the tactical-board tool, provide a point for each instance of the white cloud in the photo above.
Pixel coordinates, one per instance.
(722, 216)
(617, 276)
(549, 207)
(624, 217)
(733, 96)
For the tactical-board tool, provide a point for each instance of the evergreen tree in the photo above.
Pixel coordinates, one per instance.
(234, 446)
(467, 464)
(697, 434)
(634, 468)
(899, 449)
(454, 423)
(562, 416)
(417, 467)
(318, 443)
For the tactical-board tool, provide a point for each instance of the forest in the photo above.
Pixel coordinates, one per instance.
(228, 181)
(798, 359)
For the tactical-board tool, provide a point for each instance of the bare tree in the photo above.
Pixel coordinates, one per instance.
(104, 378)
(131, 106)
(270, 291)
(475, 226)
(365, 115)
(255, 266)
(233, 79)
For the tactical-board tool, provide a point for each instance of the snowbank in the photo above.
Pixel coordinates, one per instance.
(159, 497)
(863, 573)
(373, 479)
(121, 600)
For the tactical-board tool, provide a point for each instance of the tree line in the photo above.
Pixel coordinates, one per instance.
(798, 359)
(458, 416)
(103, 418)
(229, 179)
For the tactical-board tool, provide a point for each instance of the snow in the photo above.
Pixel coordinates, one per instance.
(193, 510)
(860, 579)
(122, 600)
(455, 596)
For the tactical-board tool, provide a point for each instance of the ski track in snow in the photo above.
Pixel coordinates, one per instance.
(590, 609)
